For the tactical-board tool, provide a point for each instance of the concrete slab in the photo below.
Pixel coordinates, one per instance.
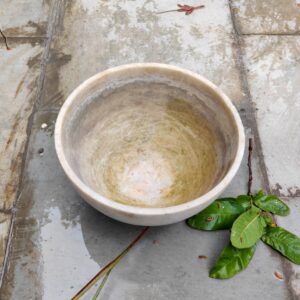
(18, 81)
(273, 66)
(24, 18)
(59, 243)
(95, 35)
(267, 17)
(291, 223)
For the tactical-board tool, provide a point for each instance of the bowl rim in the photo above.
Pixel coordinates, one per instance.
(149, 211)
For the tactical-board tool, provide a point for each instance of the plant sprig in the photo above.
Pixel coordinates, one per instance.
(250, 218)
(105, 271)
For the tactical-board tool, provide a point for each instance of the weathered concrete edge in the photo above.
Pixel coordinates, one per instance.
(238, 37)
(52, 22)
(9, 214)
(250, 109)
(296, 33)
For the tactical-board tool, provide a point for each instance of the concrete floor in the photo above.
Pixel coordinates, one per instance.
(51, 242)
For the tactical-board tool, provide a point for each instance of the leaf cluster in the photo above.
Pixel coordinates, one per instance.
(250, 218)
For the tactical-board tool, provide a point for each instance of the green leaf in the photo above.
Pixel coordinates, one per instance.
(244, 200)
(284, 242)
(219, 215)
(247, 228)
(271, 203)
(231, 262)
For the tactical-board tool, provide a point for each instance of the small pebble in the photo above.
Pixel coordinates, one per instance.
(41, 151)
(203, 257)
(44, 125)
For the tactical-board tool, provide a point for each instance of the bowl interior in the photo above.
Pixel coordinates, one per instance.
(149, 137)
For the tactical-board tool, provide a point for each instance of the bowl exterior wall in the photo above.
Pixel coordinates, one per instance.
(143, 220)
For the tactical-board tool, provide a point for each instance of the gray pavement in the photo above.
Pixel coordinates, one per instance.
(51, 242)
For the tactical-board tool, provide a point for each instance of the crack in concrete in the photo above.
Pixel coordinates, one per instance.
(272, 34)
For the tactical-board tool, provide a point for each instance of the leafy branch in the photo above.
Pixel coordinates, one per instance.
(250, 218)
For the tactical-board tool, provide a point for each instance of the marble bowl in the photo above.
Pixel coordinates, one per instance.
(149, 144)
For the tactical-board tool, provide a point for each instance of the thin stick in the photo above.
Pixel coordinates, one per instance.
(109, 266)
(99, 289)
(250, 178)
(5, 39)
(166, 11)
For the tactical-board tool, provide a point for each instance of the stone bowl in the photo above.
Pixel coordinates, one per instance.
(149, 144)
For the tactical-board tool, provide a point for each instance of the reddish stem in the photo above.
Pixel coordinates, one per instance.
(250, 179)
